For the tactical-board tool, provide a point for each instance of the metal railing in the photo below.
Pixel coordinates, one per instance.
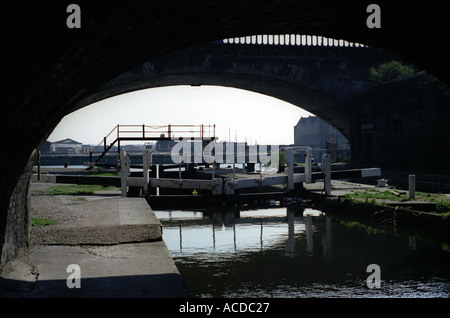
(165, 131)
(154, 132)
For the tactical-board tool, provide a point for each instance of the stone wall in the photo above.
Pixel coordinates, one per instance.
(18, 220)
(409, 119)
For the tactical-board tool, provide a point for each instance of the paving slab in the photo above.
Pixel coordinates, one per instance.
(138, 270)
(115, 245)
(113, 220)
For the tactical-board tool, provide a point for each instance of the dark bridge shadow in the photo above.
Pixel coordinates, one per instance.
(137, 286)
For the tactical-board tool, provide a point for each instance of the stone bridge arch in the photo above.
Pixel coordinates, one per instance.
(49, 70)
(323, 80)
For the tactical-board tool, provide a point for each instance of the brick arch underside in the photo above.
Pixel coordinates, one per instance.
(49, 69)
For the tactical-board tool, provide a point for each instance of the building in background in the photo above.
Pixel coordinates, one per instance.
(66, 146)
(322, 138)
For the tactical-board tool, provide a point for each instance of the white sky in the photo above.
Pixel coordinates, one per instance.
(250, 117)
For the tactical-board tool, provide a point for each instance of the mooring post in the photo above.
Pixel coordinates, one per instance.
(326, 169)
(157, 177)
(412, 186)
(308, 165)
(146, 164)
(124, 171)
(290, 164)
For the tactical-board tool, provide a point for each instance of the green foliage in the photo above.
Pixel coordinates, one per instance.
(281, 159)
(370, 196)
(104, 174)
(389, 71)
(445, 247)
(443, 206)
(356, 225)
(431, 197)
(76, 189)
(41, 222)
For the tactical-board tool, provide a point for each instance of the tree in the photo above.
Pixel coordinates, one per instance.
(389, 71)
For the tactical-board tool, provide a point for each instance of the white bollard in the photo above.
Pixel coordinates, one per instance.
(382, 183)
(308, 165)
(157, 177)
(326, 169)
(146, 164)
(412, 186)
(124, 172)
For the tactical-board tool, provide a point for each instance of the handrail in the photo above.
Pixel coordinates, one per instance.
(140, 132)
(116, 127)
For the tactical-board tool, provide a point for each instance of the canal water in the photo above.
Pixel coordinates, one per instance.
(285, 252)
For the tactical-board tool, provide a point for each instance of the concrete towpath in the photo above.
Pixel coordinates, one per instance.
(110, 247)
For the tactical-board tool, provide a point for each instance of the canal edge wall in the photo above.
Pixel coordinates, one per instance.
(394, 214)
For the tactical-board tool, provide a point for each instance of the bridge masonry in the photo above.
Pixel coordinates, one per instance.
(322, 80)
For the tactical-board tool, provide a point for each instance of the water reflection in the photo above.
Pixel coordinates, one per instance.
(255, 230)
(299, 252)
